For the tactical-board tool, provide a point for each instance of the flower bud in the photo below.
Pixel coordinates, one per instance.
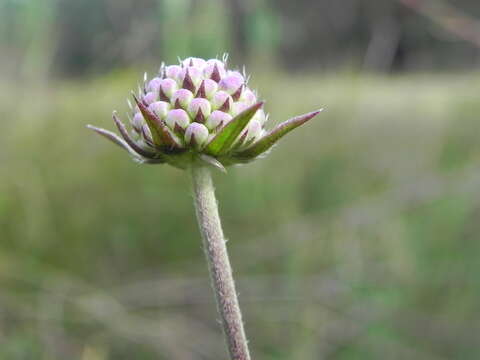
(220, 64)
(207, 89)
(173, 72)
(196, 135)
(248, 97)
(199, 109)
(254, 129)
(231, 83)
(149, 97)
(215, 70)
(177, 118)
(221, 101)
(138, 121)
(236, 74)
(216, 119)
(154, 85)
(160, 108)
(193, 61)
(238, 107)
(181, 98)
(191, 77)
(190, 113)
(260, 117)
(167, 88)
(249, 135)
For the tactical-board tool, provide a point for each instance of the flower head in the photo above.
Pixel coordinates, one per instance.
(198, 110)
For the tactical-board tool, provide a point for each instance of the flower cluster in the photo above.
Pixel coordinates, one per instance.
(198, 110)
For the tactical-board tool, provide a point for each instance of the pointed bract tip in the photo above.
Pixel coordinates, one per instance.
(311, 115)
(268, 140)
(257, 106)
(213, 162)
(134, 96)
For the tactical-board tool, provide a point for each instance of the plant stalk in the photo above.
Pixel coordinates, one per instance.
(214, 245)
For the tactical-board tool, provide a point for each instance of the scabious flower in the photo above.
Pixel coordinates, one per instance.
(196, 111)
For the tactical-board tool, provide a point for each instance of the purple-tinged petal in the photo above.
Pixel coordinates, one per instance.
(177, 117)
(168, 87)
(231, 83)
(199, 105)
(196, 62)
(221, 101)
(206, 89)
(181, 98)
(154, 85)
(173, 72)
(159, 108)
(248, 96)
(149, 97)
(138, 121)
(214, 70)
(196, 135)
(216, 119)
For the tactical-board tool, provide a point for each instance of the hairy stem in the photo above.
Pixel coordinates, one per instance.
(218, 263)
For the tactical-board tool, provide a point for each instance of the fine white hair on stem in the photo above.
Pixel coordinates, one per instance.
(215, 248)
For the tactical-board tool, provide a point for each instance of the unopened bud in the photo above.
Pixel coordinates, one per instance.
(154, 84)
(236, 74)
(260, 117)
(231, 83)
(168, 87)
(199, 109)
(216, 119)
(250, 134)
(177, 118)
(173, 72)
(191, 77)
(149, 97)
(238, 107)
(254, 129)
(215, 70)
(160, 108)
(248, 97)
(193, 61)
(138, 121)
(221, 101)
(211, 88)
(196, 135)
(181, 98)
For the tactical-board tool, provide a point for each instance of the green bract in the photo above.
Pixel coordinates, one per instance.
(198, 111)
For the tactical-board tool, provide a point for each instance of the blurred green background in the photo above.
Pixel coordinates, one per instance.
(356, 238)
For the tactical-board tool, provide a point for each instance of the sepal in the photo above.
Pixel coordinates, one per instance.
(268, 140)
(224, 139)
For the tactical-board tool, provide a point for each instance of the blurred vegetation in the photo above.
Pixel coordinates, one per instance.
(88, 37)
(357, 238)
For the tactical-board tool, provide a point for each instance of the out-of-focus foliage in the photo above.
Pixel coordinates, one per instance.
(66, 37)
(357, 238)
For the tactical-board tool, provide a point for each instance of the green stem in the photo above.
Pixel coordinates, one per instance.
(218, 263)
